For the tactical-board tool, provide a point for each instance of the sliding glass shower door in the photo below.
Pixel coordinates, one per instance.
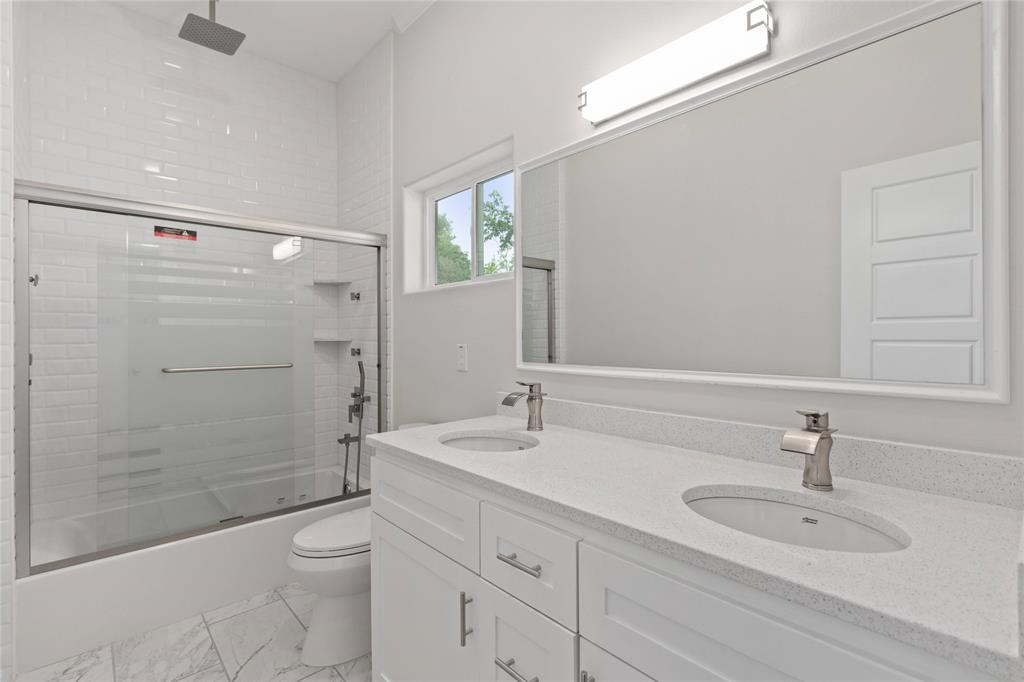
(184, 376)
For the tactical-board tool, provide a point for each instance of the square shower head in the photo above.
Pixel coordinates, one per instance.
(210, 34)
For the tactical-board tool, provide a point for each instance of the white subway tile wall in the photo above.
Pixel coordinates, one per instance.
(114, 102)
(118, 103)
(343, 324)
(6, 348)
(364, 188)
(542, 238)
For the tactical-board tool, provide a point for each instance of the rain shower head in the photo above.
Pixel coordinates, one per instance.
(208, 33)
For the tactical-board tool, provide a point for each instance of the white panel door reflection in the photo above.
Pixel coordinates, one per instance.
(912, 294)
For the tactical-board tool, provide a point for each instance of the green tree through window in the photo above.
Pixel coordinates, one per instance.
(452, 261)
(473, 231)
(497, 225)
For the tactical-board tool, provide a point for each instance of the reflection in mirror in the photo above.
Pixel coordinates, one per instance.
(826, 223)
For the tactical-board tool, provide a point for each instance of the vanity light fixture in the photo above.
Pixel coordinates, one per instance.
(736, 38)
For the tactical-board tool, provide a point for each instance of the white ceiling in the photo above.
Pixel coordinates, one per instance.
(322, 37)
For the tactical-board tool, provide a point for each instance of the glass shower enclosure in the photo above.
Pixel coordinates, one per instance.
(180, 371)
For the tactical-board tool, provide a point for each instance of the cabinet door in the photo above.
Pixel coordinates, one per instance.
(421, 629)
(520, 644)
(597, 665)
(441, 516)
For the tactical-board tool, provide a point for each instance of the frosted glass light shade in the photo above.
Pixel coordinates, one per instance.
(739, 36)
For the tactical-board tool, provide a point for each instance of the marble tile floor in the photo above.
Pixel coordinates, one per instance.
(254, 640)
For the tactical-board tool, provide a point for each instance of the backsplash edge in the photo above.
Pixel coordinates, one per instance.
(973, 476)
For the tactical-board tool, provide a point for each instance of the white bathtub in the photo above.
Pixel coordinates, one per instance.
(64, 612)
(202, 503)
(260, 491)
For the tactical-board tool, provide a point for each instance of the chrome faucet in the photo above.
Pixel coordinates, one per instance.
(814, 441)
(534, 404)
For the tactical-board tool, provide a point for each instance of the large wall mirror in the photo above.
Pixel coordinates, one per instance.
(835, 222)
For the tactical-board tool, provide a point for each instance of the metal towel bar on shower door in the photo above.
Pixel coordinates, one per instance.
(223, 368)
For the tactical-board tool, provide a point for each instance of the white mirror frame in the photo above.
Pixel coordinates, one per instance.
(995, 230)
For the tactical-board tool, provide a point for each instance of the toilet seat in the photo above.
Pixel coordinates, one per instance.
(344, 534)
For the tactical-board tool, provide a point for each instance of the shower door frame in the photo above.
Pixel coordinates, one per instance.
(27, 193)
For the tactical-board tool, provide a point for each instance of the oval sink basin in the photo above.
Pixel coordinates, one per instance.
(489, 441)
(796, 519)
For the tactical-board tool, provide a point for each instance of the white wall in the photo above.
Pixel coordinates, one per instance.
(6, 350)
(529, 60)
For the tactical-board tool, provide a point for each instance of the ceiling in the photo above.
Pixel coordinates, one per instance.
(322, 37)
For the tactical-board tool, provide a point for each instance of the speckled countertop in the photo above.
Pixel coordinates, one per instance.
(953, 591)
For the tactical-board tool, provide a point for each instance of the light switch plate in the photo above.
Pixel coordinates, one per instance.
(462, 357)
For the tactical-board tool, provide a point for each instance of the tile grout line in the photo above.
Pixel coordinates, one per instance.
(207, 626)
(290, 609)
(216, 649)
(305, 629)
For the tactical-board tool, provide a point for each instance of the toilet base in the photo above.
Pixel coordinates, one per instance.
(339, 630)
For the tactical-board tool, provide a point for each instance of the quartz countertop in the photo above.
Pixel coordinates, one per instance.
(953, 591)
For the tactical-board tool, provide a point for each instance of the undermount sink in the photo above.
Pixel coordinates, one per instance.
(796, 518)
(489, 441)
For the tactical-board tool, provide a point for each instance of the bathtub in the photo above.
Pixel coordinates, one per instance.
(204, 502)
(66, 611)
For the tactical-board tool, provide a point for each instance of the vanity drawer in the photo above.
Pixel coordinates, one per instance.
(673, 630)
(516, 640)
(436, 514)
(530, 560)
(597, 665)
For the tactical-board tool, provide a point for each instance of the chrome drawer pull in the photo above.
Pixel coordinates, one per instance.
(510, 559)
(463, 632)
(507, 667)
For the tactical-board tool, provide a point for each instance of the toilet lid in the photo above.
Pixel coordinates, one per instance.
(340, 533)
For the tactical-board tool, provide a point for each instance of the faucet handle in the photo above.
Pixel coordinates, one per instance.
(534, 387)
(815, 420)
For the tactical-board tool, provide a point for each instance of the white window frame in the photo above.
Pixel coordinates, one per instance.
(465, 182)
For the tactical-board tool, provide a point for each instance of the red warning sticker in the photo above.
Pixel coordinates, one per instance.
(176, 233)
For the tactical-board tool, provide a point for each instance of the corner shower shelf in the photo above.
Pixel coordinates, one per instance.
(330, 339)
(335, 282)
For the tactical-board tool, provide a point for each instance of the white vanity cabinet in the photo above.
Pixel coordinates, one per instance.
(521, 644)
(435, 620)
(470, 586)
(597, 665)
(530, 560)
(419, 615)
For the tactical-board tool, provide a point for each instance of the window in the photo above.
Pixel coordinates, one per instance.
(473, 229)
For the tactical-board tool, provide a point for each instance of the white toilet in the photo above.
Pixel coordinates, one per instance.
(331, 558)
